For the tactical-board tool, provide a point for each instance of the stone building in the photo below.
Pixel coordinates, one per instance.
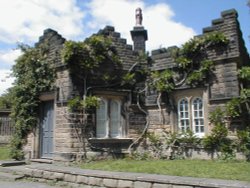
(121, 118)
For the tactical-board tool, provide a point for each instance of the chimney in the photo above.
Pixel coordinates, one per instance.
(139, 34)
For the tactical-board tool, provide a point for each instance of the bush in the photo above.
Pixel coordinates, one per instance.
(244, 142)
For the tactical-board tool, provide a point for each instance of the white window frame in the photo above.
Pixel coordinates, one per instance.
(117, 127)
(198, 117)
(184, 127)
(192, 117)
(101, 127)
(111, 131)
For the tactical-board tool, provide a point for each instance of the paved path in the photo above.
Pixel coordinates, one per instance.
(22, 184)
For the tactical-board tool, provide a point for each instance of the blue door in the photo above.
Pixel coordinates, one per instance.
(47, 129)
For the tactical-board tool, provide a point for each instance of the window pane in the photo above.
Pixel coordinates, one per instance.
(101, 120)
(198, 115)
(115, 125)
(183, 114)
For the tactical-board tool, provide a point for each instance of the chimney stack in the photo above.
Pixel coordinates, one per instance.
(139, 34)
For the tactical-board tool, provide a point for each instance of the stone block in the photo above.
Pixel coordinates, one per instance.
(125, 184)
(47, 175)
(70, 178)
(95, 181)
(139, 184)
(109, 182)
(181, 186)
(82, 179)
(160, 185)
(58, 176)
(37, 173)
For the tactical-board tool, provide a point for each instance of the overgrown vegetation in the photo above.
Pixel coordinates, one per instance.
(6, 99)
(218, 140)
(34, 75)
(4, 153)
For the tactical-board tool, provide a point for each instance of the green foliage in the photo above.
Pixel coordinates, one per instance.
(162, 81)
(234, 170)
(244, 142)
(4, 153)
(218, 141)
(78, 104)
(34, 75)
(187, 138)
(91, 102)
(129, 78)
(75, 104)
(244, 73)
(195, 76)
(85, 58)
(233, 107)
(191, 57)
(6, 99)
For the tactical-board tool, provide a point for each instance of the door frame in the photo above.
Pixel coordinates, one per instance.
(45, 97)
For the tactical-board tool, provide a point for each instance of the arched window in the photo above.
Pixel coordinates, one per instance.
(183, 113)
(191, 115)
(198, 116)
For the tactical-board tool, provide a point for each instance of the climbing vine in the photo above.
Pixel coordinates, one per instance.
(192, 64)
(192, 58)
(85, 58)
(33, 75)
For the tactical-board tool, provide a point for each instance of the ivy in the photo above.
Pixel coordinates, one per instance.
(78, 104)
(244, 73)
(89, 61)
(192, 56)
(34, 75)
(162, 81)
(218, 141)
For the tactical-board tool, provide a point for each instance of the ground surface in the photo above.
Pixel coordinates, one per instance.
(22, 184)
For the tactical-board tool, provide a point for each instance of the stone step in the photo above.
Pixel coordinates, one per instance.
(47, 161)
(8, 176)
(12, 163)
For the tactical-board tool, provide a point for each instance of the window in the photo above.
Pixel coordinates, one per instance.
(108, 119)
(198, 118)
(183, 115)
(191, 115)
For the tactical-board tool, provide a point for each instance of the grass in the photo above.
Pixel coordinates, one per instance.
(4, 153)
(230, 170)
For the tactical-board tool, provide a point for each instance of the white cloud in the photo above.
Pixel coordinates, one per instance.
(163, 31)
(9, 57)
(25, 20)
(6, 80)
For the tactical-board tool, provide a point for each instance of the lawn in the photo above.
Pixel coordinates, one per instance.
(4, 153)
(233, 170)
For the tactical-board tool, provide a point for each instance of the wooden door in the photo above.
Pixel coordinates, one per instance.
(47, 129)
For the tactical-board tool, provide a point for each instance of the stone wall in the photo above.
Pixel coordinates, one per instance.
(73, 177)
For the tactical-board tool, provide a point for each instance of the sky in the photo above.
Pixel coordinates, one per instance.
(168, 22)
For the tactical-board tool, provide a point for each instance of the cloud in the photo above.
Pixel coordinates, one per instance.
(25, 20)
(163, 31)
(6, 80)
(8, 57)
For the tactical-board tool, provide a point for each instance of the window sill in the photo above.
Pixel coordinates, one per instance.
(110, 140)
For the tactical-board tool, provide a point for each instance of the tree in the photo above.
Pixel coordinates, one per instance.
(6, 99)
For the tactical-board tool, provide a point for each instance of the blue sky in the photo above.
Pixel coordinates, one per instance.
(169, 22)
